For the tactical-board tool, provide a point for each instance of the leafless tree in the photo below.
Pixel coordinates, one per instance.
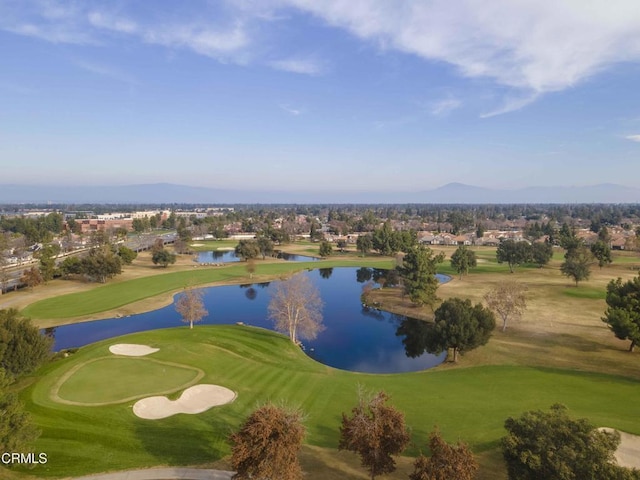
(446, 461)
(191, 307)
(376, 432)
(296, 308)
(507, 300)
(267, 445)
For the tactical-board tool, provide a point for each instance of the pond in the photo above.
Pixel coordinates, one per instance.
(229, 256)
(356, 338)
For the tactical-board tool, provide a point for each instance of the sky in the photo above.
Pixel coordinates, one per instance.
(320, 95)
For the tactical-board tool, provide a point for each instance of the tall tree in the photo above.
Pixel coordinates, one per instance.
(364, 243)
(163, 258)
(568, 238)
(577, 264)
(247, 249)
(266, 247)
(551, 445)
(296, 308)
(513, 253)
(418, 273)
(267, 445)
(602, 252)
(17, 432)
(460, 326)
(191, 307)
(101, 264)
(384, 241)
(22, 347)
(463, 259)
(325, 249)
(623, 311)
(375, 431)
(48, 262)
(541, 253)
(508, 300)
(127, 255)
(447, 462)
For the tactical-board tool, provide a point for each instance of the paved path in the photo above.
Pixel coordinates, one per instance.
(169, 473)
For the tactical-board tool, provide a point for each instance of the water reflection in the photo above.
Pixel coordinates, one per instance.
(229, 256)
(325, 272)
(356, 338)
(415, 335)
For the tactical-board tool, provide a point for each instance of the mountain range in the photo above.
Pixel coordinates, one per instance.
(451, 193)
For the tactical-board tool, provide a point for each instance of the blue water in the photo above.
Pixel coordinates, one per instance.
(228, 256)
(356, 338)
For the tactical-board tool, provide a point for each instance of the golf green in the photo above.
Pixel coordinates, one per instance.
(109, 380)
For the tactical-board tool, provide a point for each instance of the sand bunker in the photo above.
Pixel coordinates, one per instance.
(132, 349)
(196, 399)
(628, 452)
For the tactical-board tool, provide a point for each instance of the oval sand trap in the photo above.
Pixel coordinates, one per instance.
(196, 399)
(132, 349)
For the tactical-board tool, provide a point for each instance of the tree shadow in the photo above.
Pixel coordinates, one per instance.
(184, 439)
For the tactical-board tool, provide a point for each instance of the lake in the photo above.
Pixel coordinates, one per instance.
(229, 256)
(356, 338)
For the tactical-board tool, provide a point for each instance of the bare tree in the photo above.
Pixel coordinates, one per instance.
(296, 308)
(446, 461)
(267, 445)
(508, 300)
(191, 307)
(376, 432)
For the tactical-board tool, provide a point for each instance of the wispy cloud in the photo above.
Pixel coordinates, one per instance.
(512, 103)
(445, 106)
(633, 138)
(305, 66)
(534, 46)
(530, 46)
(289, 109)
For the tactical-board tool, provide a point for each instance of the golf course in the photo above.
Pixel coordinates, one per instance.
(558, 352)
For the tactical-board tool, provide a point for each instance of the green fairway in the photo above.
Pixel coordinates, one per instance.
(118, 294)
(468, 403)
(115, 379)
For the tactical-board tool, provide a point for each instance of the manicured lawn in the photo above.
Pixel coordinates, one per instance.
(116, 379)
(466, 403)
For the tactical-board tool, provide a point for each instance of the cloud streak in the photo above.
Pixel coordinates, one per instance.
(633, 138)
(536, 47)
(530, 47)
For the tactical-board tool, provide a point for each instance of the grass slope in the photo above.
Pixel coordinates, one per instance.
(468, 403)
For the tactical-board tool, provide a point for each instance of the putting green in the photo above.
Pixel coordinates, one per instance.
(109, 380)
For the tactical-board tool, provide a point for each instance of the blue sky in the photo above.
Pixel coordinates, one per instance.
(328, 95)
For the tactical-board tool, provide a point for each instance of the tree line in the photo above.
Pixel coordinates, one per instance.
(538, 445)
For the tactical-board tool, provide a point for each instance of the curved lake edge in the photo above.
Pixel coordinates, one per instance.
(356, 337)
(165, 298)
